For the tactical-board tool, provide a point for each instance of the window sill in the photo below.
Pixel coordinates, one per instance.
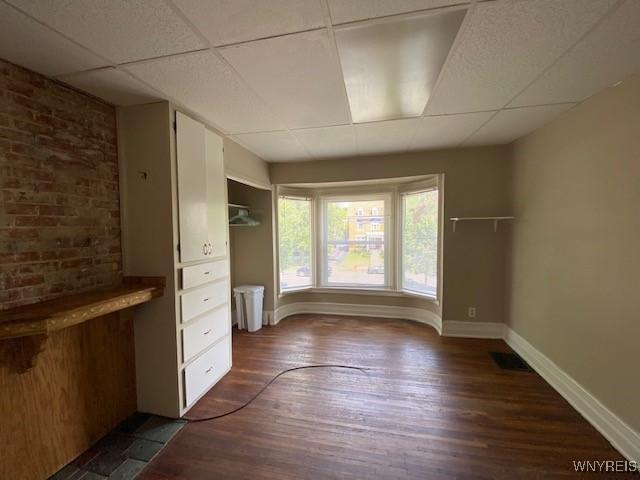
(361, 291)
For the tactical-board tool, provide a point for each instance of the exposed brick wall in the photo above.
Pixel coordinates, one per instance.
(59, 209)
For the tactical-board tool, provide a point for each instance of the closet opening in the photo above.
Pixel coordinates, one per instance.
(251, 251)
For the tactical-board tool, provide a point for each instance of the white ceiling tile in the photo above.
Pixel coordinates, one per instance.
(390, 66)
(121, 30)
(350, 10)
(206, 85)
(511, 124)
(25, 42)
(299, 75)
(273, 146)
(393, 136)
(329, 142)
(609, 53)
(112, 85)
(232, 21)
(503, 46)
(447, 131)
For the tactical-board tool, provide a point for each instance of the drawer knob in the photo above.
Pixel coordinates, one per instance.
(207, 332)
(207, 273)
(205, 300)
(209, 369)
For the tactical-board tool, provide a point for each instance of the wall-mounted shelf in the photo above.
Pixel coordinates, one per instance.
(28, 327)
(46, 317)
(496, 220)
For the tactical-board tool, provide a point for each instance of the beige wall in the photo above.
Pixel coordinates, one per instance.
(575, 256)
(240, 164)
(474, 256)
(252, 247)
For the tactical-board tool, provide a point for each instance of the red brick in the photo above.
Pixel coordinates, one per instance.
(53, 210)
(16, 135)
(59, 185)
(35, 221)
(20, 209)
(23, 281)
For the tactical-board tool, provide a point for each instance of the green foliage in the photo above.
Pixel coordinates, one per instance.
(294, 232)
(420, 233)
(355, 259)
(337, 226)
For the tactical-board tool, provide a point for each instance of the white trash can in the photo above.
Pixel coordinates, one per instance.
(249, 306)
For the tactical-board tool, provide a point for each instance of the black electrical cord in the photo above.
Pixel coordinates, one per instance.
(214, 417)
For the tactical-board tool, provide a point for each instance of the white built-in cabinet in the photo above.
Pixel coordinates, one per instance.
(174, 224)
(201, 201)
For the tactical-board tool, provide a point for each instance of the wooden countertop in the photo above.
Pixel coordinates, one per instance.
(45, 317)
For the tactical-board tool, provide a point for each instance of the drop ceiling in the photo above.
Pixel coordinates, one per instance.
(296, 80)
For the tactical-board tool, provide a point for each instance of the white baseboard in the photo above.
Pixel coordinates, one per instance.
(359, 310)
(456, 328)
(622, 437)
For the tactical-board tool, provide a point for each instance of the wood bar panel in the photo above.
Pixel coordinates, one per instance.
(82, 385)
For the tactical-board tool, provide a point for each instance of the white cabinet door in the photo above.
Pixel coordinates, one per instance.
(216, 195)
(192, 189)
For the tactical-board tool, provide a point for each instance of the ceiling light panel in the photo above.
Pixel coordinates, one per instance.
(329, 142)
(298, 75)
(391, 66)
(113, 86)
(392, 136)
(447, 131)
(26, 42)
(273, 146)
(504, 45)
(511, 124)
(204, 84)
(122, 31)
(343, 11)
(609, 53)
(224, 22)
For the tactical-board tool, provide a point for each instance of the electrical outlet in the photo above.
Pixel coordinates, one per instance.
(471, 312)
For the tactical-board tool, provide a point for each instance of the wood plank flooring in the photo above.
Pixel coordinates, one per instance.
(430, 408)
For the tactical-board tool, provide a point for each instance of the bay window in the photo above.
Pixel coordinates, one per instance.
(382, 238)
(354, 253)
(294, 243)
(419, 237)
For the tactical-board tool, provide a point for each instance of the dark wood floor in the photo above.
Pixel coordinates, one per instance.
(430, 408)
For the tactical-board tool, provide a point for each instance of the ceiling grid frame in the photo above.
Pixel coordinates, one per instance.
(601, 20)
(328, 27)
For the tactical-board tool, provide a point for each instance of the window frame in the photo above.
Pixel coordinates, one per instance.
(296, 195)
(434, 183)
(389, 240)
(393, 261)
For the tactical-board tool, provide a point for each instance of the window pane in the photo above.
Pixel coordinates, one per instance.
(420, 242)
(294, 237)
(355, 243)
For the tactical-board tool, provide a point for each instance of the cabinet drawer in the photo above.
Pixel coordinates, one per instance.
(206, 272)
(204, 331)
(200, 375)
(203, 299)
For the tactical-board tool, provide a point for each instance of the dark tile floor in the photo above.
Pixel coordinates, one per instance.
(124, 452)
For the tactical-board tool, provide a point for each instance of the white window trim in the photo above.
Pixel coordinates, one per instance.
(366, 191)
(435, 183)
(297, 195)
(389, 261)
